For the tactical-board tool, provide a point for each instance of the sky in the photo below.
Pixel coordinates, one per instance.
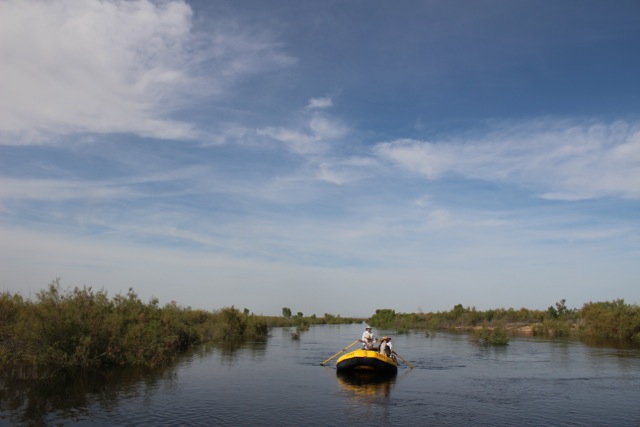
(330, 157)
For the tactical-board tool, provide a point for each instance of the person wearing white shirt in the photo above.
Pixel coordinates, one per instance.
(367, 339)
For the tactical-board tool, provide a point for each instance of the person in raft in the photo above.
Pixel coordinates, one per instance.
(385, 346)
(367, 339)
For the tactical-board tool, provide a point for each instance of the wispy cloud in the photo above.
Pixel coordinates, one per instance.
(559, 160)
(350, 176)
(114, 66)
(59, 190)
(324, 102)
(312, 134)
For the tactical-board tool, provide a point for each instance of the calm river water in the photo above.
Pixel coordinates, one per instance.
(281, 383)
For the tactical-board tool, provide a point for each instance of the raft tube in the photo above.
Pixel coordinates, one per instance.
(366, 360)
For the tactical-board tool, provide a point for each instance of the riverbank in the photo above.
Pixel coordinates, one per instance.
(81, 329)
(610, 320)
(510, 328)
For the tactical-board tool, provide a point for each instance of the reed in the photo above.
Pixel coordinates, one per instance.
(66, 330)
(609, 320)
(490, 336)
(612, 319)
(84, 329)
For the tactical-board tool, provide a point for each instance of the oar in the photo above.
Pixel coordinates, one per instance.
(344, 349)
(404, 360)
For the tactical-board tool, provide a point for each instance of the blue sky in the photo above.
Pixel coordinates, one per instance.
(330, 157)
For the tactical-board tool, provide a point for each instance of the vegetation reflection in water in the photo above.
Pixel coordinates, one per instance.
(71, 351)
(71, 395)
(213, 381)
(82, 329)
(366, 385)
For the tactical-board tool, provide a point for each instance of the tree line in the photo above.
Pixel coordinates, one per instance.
(610, 320)
(65, 330)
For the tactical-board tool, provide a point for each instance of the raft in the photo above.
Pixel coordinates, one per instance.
(366, 360)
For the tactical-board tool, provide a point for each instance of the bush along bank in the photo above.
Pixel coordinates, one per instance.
(614, 320)
(83, 329)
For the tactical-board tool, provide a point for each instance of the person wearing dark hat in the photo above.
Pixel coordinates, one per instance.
(367, 339)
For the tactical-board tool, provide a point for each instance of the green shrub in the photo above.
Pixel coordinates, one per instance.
(83, 329)
(613, 319)
(383, 318)
(490, 336)
(552, 328)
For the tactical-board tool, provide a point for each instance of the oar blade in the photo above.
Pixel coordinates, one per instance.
(404, 360)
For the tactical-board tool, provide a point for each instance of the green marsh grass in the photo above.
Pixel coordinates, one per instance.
(609, 320)
(82, 329)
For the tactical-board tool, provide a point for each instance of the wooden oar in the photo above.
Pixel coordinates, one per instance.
(344, 349)
(404, 360)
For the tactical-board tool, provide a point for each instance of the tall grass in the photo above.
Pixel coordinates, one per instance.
(66, 330)
(82, 328)
(613, 319)
(327, 319)
(490, 336)
(610, 320)
(457, 318)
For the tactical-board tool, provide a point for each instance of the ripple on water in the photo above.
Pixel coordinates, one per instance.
(282, 383)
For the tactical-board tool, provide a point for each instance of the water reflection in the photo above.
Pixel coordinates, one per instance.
(623, 346)
(532, 381)
(366, 385)
(78, 396)
(70, 396)
(233, 352)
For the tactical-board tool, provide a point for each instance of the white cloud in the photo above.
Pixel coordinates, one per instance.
(312, 137)
(423, 201)
(328, 174)
(319, 103)
(324, 128)
(296, 141)
(425, 158)
(341, 171)
(560, 160)
(598, 234)
(129, 187)
(58, 190)
(113, 66)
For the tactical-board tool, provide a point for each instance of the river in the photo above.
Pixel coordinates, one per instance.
(280, 382)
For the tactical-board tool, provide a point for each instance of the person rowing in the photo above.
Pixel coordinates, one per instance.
(386, 347)
(368, 339)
